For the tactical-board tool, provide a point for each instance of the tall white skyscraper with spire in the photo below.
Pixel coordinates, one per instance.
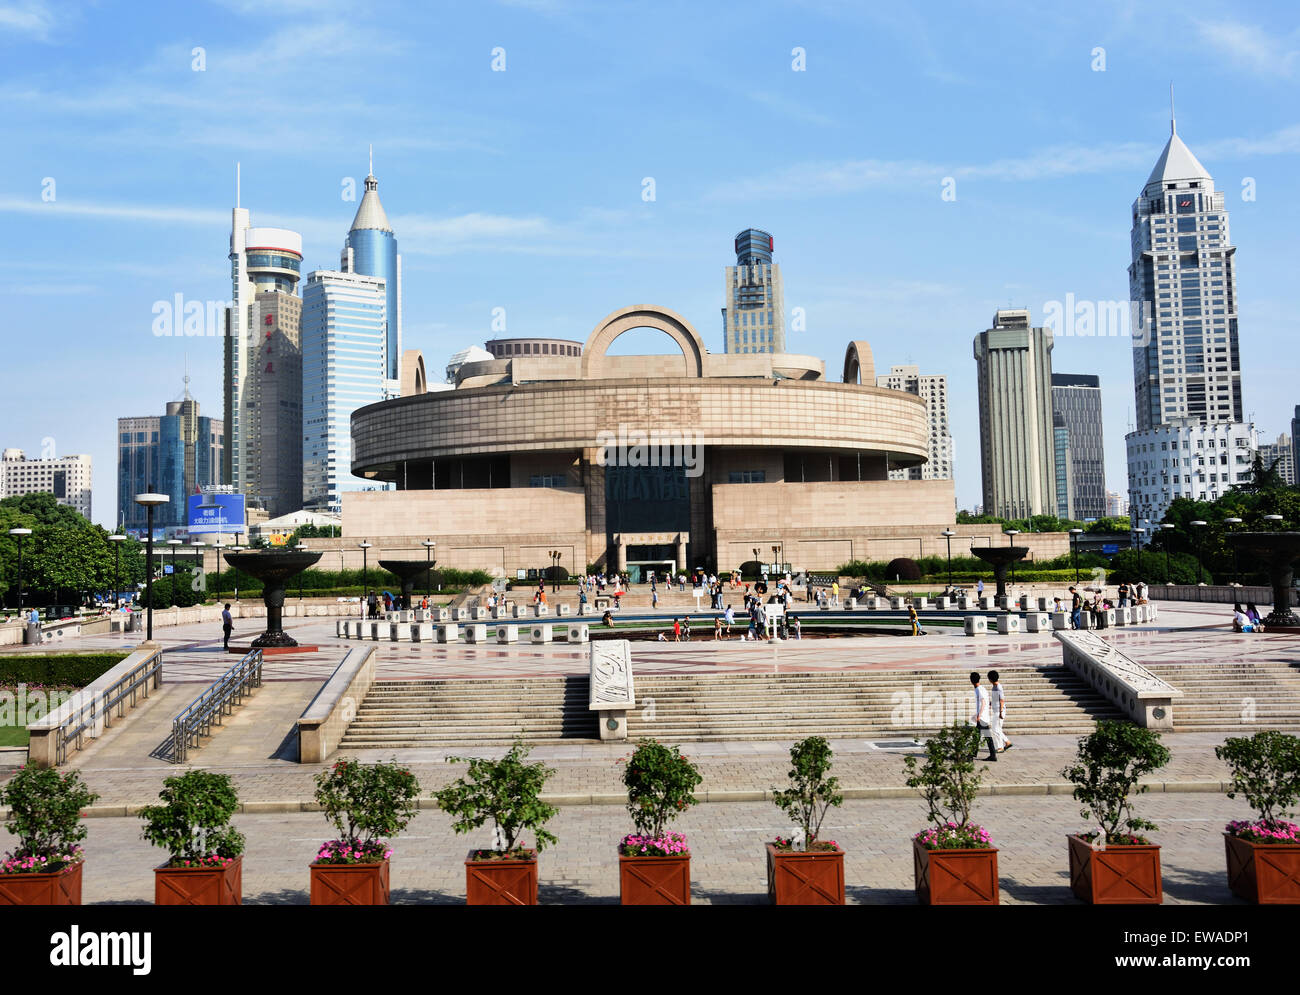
(1190, 440)
(351, 349)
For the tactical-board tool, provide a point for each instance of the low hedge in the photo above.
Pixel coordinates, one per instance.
(59, 669)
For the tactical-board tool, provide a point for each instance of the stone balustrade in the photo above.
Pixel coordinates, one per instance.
(1142, 696)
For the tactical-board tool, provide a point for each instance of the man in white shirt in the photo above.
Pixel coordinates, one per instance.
(998, 713)
(981, 716)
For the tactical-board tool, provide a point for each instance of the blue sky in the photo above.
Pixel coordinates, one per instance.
(522, 189)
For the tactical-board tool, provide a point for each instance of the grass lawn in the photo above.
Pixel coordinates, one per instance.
(13, 735)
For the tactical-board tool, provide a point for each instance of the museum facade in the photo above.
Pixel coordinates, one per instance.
(632, 462)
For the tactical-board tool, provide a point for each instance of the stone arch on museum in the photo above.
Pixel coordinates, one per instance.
(859, 365)
(596, 365)
(414, 380)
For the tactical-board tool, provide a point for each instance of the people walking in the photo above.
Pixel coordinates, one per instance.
(227, 625)
(998, 712)
(981, 716)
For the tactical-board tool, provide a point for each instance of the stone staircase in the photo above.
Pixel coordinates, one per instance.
(1233, 695)
(730, 707)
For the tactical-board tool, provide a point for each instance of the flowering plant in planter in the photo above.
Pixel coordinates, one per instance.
(45, 810)
(949, 784)
(507, 792)
(193, 822)
(367, 803)
(1105, 776)
(660, 784)
(1266, 771)
(669, 844)
(810, 795)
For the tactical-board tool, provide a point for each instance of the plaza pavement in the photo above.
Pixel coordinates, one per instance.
(727, 865)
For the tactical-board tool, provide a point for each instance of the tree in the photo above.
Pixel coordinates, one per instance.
(1105, 775)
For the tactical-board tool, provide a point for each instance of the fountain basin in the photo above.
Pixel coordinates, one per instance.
(274, 568)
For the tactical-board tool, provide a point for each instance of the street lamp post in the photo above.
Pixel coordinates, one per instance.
(116, 540)
(149, 502)
(364, 546)
(554, 556)
(1199, 534)
(1169, 572)
(302, 547)
(1236, 573)
(1138, 532)
(1074, 545)
(428, 545)
(173, 543)
(1011, 534)
(948, 534)
(20, 534)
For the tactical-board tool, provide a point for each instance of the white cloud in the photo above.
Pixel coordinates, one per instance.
(26, 17)
(1252, 48)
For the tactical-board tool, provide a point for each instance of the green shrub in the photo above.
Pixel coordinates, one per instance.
(59, 669)
(507, 791)
(1105, 775)
(193, 822)
(947, 780)
(45, 814)
(902, 568)
(660, 783)
(368, 804)
(811, 793)
(1266, 770)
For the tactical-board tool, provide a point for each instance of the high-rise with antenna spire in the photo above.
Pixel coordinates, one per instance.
(1190, 440)
(370, 249)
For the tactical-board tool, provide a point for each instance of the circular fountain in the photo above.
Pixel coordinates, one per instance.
(1000, 559)
(409, 573)
(273, 567)
(1278, 552)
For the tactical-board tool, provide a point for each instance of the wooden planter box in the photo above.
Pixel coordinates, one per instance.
(60, 888)
(955, 877)
(815, 878)
(1263, 873)
(350, 884)
(654, 880)
(199, 885)
(500, 882)
(1117, 875)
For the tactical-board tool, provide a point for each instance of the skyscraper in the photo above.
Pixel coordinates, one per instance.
(1283, 454)
(1064, 493)
(263, 367)
(1186, 362)
(933, 390)
(754, 317)
(1295, 439)
(174, 454)
(1076, 397)
(344, 366)
(371, 250)
(1017, 447)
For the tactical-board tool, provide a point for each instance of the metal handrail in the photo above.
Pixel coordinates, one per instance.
(98, 711)
(197, 719)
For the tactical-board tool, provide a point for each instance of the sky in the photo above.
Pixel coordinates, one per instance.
(919, 167)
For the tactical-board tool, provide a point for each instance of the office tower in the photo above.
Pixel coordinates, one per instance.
(754, 318)
(1017, 451)
(1283, 454)
(1295, 438)
(933, 390)
(1116, 505)
(263, 367)
(1186, 362)
(1064, 482)
(68, 478)
(1076, 397)
(176, 454)
(371, 250)
(344, 368)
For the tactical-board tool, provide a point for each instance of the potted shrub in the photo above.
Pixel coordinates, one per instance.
(1264, 854)
(654, 865)
(1115, 864)
(954, 861)
(45, 814)
(506, 791)
(205, 864)
(805, 869)
(368, 804)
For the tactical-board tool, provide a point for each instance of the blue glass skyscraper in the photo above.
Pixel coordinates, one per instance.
(371, 250)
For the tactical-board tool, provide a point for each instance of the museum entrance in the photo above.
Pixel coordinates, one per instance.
(641, 560)
(647, 516)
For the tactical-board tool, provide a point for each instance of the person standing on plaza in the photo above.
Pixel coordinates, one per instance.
(916, 622)
(1076, 609)
(717, 627)
(677, 631)
(686, 630)
(227, 625)
(981, 716)
(795, 627)
(728, 620)
(979, 588)
(998, 713)
(835, 592)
